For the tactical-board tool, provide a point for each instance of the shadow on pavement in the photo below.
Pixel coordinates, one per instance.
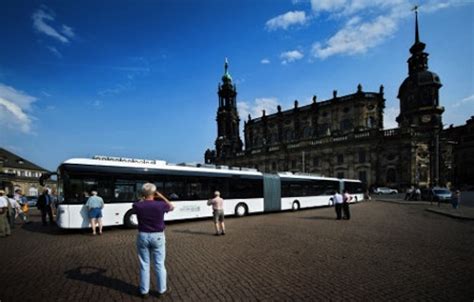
(194, 232)
(319, 218)
(96, 276)
(38, 227)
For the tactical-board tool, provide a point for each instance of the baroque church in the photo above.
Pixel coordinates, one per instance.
(344, 136)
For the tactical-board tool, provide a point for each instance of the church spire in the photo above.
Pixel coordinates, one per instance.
(417, 34)
(226, 78)
(418, 46)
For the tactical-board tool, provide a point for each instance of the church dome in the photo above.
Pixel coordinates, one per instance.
(419, 79)
(226, 78)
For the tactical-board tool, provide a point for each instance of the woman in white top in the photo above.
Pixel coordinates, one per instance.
(4, 208)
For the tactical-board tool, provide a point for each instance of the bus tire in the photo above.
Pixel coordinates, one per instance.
(241, 210)
(295, 206)
(130, 219)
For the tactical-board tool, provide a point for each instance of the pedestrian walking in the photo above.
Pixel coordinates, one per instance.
(337, 199)
(4, 212)
(44, 205)
(217, 204)
(456, 199)
(409, 193)
(151, 239)
(417, 194)
(346, 198)
(94, 205)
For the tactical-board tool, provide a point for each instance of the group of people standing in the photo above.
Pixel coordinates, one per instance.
(11, 208)
(341, 203)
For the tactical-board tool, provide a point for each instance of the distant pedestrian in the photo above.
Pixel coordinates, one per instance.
(44, 205)
(417, 194)
(337, 199)
(217, 204)
(346, 198)
(23, 202)
(15, 211)
(151, 237)
(94, 205)
(456, 199)
(409, 193)
(4, 209)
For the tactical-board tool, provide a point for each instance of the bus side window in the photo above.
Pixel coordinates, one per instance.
(124, 191)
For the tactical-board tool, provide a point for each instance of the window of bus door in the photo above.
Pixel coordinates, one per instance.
(60, 189)
(73, 191)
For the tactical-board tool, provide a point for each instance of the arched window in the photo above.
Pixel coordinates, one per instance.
(307, 132)
(288, 135)
(370, 122)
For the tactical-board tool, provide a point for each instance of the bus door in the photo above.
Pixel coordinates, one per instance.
(272, 192)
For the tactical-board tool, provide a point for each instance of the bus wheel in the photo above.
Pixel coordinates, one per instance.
(241, 210)
(130, 220)
(295, 206)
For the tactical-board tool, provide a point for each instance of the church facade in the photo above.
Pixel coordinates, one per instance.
(344, 136)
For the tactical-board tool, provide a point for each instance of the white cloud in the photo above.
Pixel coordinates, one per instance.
(255, 109)
(327, 5)
(68, 31)
(286, 20)
(356, 37)
(265, 61)
(44, 14)
(369, 23)
(464, 101)
(291, 56)
(389, 117)
(55, 51)
(15, 106)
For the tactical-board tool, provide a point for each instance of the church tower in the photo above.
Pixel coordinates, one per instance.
(228, 141)
(419, 92)
(421, 113)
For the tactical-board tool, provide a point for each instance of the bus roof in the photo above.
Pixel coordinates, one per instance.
(158, 165)
(120, 162)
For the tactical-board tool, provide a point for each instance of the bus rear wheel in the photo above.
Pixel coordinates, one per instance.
(130, 220)
(241, 210)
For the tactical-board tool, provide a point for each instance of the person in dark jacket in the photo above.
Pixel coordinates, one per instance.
(44, 204)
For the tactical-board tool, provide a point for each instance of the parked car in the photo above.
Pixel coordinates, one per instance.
(31, 200)
(385, 190)
(436, 194)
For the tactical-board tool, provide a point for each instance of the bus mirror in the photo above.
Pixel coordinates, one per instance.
(43, 178)
(47, 176)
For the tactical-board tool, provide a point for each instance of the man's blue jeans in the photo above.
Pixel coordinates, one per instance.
(154, 245)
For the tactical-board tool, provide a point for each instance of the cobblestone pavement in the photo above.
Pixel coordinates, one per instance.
(385, 252)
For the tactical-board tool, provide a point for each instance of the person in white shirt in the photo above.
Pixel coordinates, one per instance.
(346, 198)
(337, 199)
(15, 211)
(4, 208)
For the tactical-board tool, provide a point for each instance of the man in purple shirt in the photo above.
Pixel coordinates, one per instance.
(151, 237)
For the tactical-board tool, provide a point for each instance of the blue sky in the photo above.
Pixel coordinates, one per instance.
(139, 78)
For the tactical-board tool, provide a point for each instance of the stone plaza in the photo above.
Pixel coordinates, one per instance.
(385, 252)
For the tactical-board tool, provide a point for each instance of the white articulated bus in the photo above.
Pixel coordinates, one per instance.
(119, 180)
